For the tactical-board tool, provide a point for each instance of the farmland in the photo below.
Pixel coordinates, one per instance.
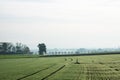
(96, 67)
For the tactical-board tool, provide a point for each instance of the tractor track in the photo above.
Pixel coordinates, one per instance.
(35, 72)
(53, 72)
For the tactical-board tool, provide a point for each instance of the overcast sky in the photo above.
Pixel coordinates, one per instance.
(61, 23)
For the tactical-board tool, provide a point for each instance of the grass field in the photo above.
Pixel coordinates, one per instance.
(97, 67)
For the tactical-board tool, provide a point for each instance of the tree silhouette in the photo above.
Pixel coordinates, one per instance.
(42, 48)
(4, 45)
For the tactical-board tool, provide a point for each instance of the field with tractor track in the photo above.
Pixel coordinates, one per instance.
(94, 67)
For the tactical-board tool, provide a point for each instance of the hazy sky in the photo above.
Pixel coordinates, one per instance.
(61, 23)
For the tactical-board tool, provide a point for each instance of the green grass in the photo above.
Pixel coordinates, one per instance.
(97, 67)
(13, 56)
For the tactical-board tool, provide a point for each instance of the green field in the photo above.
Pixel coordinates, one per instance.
(97, 67)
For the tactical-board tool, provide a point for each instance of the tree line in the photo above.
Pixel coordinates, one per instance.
(19, 48)
(10, 48)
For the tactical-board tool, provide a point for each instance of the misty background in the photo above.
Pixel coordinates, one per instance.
(61, 23)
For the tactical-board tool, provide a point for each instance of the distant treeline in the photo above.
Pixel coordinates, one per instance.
(10, 48)
(83, 54)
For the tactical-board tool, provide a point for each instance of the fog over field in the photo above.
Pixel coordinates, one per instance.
(61, 23)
